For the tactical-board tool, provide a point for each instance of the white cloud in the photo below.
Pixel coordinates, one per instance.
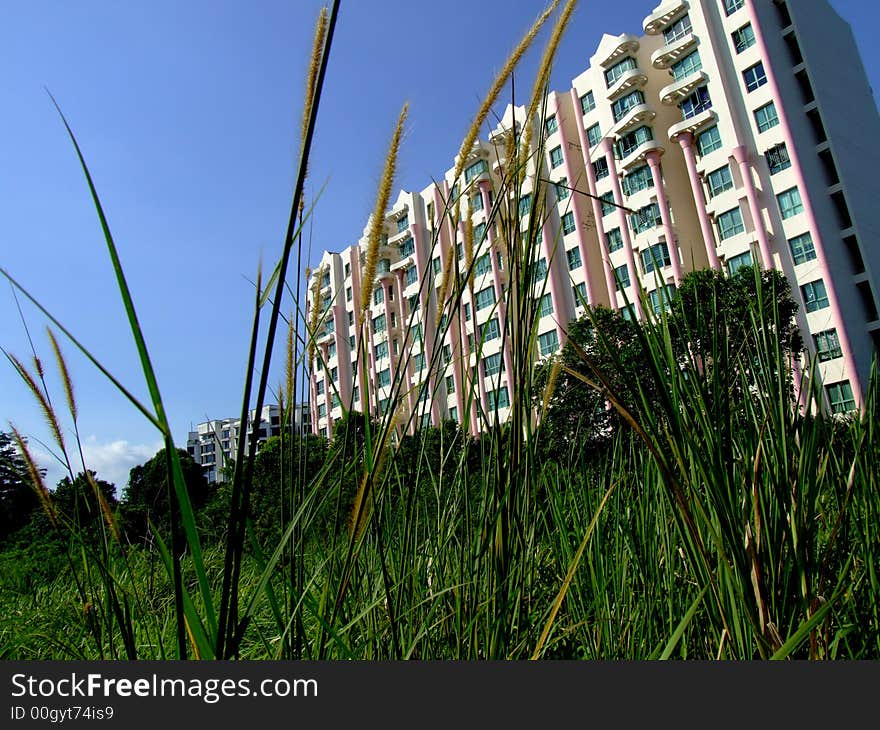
(113, 461)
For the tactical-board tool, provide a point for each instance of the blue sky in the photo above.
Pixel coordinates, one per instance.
(188, 114)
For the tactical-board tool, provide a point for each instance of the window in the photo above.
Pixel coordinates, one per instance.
(580, 294)
(827, 345)
(656, 254)
(379, 323)
(325, 279)
(709, 141)
(568, 223)
(485, 298)
(755, 76)
(600, 168)
(331, 351)
(322, 410)
(719, 180)
(621, 277)
(407, 247)
(490, 330)
(413, 303)
(453, 414)
(588, 103)
(382, 405)
(347, 270)
(556, 157)
(351, 319)
(348, 293)
(450, 384)
(618, 70)
(419, 361)
(476, 202)
(730, 6)
(631, 140)
(356, 394)
(479, 232)
(661, 298)
(696, 103)
(646, 218)
(319, 387)
(607, 201)
(334, 374)
(841, 397)
(467, 312)
(447, 354)
(381, 350)
(594, 135)
(688, 65)
(777, 158)
(525, 205)
(802, 248)
(640, 179)
(766, 117)
(545, 306)
(790, 203)
(550, 125)
(351, 342)
(379, 295)
(483, 265)
(436, 265)
(815, 296)
(620, 107)
(493, 364)
(478, 168)
(540, 270)
(498, 398)
(548, 343)
(743, 38)
(741, 261)
(562, 191)
(678, 30)
(574, 258)
(730, 223)
(412, 275)
(384, 378)
(614, 239)
(459, 251)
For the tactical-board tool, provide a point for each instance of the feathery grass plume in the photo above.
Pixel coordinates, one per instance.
(107, 513)
(288, 366)
(444, 282)
(36, 477)
(543, 76)
(550, 388)
(45, 405)
(311, 79)
(497, 86)
(65, 373)
(360, 512)
(378, 219)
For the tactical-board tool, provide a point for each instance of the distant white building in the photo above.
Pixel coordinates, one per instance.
(213, 444)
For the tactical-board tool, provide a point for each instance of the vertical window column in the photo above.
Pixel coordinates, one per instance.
(825, 271)
(653, 158)
(686, 141)
(328, 391)
(745, 170)
(397, 361)
(624, 226)
(597, 208)
(344, 363)
(364, 331)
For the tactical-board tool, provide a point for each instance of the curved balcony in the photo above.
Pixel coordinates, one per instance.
(635, 116)
(662, 16)
(667, 55)
(638, 154)
(635, 78)
(678, 90)
(692, 125)
(626, 44)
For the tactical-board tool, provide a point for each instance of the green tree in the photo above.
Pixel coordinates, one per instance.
(18, 498)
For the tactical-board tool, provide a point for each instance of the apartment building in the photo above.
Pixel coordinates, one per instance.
(213, 444)
(729, 132)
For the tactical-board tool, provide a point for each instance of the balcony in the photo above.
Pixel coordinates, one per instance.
(667, 55)
(679, 90)
(634, 117)
(626, 44)
(662, 16)
(635, 78)
(636, 155)
(693, 125)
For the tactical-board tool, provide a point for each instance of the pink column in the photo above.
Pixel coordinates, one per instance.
(741, 156)
(573, 177)
(818, 243)
(422, 264)
(405, 338)
(653, 158)
(597, 208)
(686, 141)
(624, 227)
(328, 388)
